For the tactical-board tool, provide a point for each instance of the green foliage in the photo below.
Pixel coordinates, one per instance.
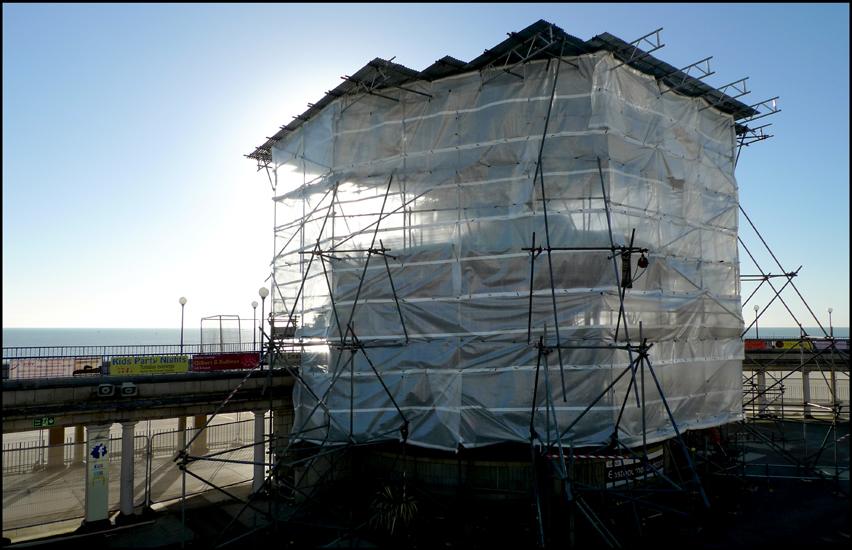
(391, 507)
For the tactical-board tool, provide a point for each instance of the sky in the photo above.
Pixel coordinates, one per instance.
(125, 130)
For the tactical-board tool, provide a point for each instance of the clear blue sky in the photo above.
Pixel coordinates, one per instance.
(124, 129)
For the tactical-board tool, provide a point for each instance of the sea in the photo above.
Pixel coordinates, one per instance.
(46, 337)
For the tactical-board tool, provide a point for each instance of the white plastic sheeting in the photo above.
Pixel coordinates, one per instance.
(446, 185)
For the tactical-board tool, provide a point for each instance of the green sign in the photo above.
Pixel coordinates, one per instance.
(149, 365)
(43, 422)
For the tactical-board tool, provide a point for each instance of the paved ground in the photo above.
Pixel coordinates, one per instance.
(206, 515)
(33, 495)
(750, 511)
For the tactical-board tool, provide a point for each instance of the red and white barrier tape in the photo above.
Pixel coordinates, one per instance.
(590, 456)
(240, 385)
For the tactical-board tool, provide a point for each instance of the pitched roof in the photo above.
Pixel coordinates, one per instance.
(540, 40)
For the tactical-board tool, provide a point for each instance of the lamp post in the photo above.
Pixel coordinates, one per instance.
(830, 327)
(254, 326)
(182, 303)
(756, 328)
(263, 293)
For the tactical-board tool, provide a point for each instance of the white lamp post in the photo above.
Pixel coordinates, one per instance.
(263, 293)
(830, 327)
(182, 303)
(756, 328)
(254, 326)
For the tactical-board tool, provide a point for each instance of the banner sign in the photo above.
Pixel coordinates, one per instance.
(825, 344)
(792, 344)
(778, 344)
(54, 367)
(618, 472)
(224, 361)
(290, 359)
(796, 344)
(755, 344)
(149, 365)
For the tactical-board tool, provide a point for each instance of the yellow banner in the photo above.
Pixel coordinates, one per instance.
(149, 365)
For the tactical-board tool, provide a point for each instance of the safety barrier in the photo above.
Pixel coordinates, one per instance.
(37, 494)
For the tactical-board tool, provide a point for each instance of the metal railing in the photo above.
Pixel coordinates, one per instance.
(125, 350)
(38, 493)
(67, 361)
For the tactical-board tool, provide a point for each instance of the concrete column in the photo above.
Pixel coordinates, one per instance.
(199, 446)
(97, 475)
(761, 393)
(80, 444)
(833, 380)
(283, 424)
(181, 433)
(282, 427)
(126, 488)
(806, 391)
(833, 387)
(55, 448)
(259, 451)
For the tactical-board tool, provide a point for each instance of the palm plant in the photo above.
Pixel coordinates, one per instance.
(391, 507)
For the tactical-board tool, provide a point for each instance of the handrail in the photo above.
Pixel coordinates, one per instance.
(47, 352)
(98, 359)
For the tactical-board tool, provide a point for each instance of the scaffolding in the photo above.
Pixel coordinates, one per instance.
(774, 419)
(414, 227)
(218, 332)
(538, 247)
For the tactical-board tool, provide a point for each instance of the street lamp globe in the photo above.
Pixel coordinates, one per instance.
(182, 301)
(263, 293)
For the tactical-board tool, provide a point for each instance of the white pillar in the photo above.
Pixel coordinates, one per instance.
(806, 390)
(126, 487)
(181, 433)
(259, 451)
(79, 444)
(283, 425)
(761, 393)
(199, 445)
(56, 447)
(97, 473)
(833, 379)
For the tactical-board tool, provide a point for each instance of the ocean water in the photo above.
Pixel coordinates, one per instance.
(44, 337)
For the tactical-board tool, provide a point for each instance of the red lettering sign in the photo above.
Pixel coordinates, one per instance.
(755, 344)
(224, 361)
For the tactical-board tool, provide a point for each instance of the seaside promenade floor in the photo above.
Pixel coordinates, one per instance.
(762, 513)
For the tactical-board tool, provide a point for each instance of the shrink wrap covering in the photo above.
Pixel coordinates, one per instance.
(447, 185)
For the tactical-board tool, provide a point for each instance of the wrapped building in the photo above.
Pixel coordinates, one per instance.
(477, 248)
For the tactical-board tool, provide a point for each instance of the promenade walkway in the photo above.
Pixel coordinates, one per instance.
(761, 513)
(53, 498)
